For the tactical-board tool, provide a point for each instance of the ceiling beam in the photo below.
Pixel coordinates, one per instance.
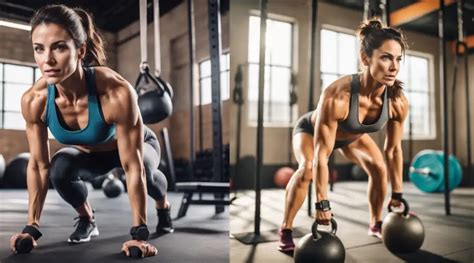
(414, 11)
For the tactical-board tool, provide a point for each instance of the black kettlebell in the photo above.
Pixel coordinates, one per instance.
(320, 246)
(402, 232)
(112, 186)
(154, 96)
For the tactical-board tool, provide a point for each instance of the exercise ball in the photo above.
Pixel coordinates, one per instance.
(320, 246)
(402, 232)
(282, 176)
(15, 172)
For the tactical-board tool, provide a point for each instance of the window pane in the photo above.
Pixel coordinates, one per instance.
(280, 85)
(205, 68)
(420, 114)
(225, 62)
(1, 72)
(327, 79)
(279, 38)
(403, 73)
(328, 51)
(37, 74)
(13, 93)
(206, 91)
(254, 38)
(419, 73)
(253, 82)
(225, 85)
(347, 57)
(14, 120)
(18, 74)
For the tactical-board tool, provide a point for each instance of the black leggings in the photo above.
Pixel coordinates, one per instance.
(69, 163)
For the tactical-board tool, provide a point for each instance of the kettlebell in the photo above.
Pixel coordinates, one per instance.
(402, 232)
(320, 246)
(112, 186)
(154, 96)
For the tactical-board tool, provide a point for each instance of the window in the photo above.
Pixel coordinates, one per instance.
(339, 55)
(15, 80)
(415, 74)
(278, 70)
(205, 79)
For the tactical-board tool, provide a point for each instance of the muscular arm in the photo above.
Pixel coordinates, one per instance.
(130, 144)
(393, 143)
(324, 138)
(32, 105)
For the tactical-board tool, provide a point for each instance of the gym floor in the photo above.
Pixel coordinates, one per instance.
(447, 238)
(196, 236)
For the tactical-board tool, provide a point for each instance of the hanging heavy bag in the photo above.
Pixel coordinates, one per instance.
(402, 232)
(320, 246)
(154, 94)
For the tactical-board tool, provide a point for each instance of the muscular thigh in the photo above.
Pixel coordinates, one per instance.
(303, 147)
(363, 151)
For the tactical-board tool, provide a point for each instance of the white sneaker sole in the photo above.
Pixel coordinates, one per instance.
(165, 230)
(94, 233)
(375, 234)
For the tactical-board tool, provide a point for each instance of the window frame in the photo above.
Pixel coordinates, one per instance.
(431, 97)
(3, 112)
(292, 69)
(338, 30)
(199, 102)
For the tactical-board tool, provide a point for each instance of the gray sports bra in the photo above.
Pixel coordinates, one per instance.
(352, 124)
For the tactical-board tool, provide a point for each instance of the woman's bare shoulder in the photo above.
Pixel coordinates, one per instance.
(33, 101)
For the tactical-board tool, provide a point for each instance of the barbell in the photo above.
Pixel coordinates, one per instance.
(427, 171)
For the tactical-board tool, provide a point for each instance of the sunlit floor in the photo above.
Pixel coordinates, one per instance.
(447, 238)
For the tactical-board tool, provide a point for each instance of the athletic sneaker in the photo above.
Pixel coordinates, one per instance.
(286, 240)
(86, 228)
(165, 225)
(376, 230)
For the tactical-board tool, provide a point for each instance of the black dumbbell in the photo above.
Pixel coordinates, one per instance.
(23, 245)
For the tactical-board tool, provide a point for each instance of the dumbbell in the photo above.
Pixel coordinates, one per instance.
(427, 171)
(23, 245)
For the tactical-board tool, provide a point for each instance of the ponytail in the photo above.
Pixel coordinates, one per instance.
(95, 54)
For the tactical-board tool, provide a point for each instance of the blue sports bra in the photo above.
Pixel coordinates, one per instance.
(97, 130)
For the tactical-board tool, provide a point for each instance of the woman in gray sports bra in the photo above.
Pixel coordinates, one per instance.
(349, 109)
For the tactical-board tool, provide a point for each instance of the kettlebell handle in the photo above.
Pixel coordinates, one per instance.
(314, 228)
(406, 207)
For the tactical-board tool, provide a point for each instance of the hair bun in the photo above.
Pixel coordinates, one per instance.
(368, 25)
(374, 23)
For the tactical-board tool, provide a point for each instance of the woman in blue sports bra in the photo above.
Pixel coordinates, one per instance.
(349, 109)
(94, 112)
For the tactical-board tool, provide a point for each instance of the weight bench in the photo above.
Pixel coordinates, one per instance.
(219, 189)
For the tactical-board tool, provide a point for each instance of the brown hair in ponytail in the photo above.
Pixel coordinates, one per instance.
(79, 24)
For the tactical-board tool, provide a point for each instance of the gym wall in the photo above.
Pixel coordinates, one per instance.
(175, 69)
(300, 12)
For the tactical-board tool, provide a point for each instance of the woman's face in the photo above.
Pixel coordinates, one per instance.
(385, 62)
(55, 53)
